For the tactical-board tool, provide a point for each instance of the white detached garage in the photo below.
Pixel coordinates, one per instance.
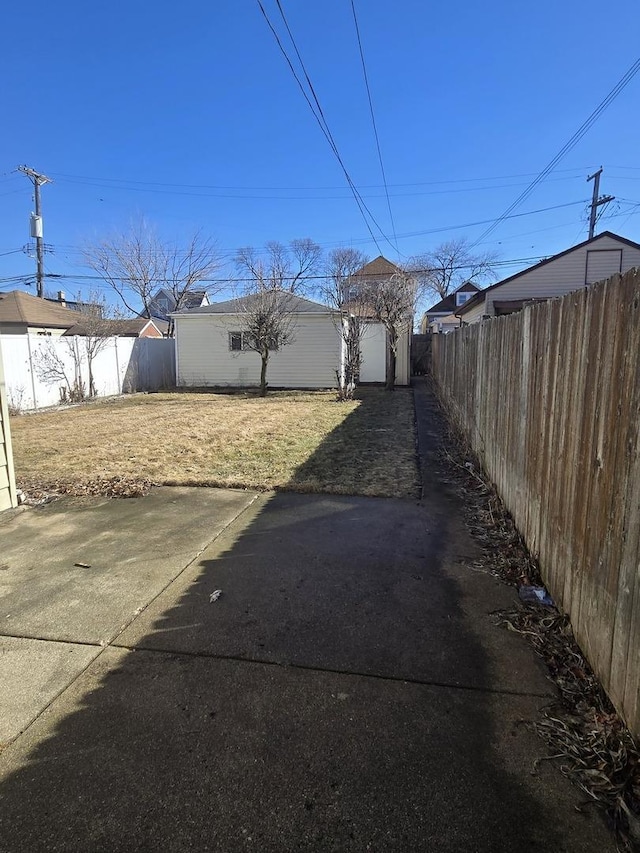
(210, 351)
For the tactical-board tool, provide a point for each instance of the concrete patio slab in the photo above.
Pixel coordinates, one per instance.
(32, 674)
(150, 751)
(364, 585)
(79, 569)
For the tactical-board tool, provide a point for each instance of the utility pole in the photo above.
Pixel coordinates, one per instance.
(36, 223)
(596, 200)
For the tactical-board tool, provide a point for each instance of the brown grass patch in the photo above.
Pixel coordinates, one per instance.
(303, 441)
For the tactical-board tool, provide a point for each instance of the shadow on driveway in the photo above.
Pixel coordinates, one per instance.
(346, 692)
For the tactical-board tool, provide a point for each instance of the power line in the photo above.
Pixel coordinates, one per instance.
(70, 248)
(204, 194)
(319, 116)
(245, 280)
(571, 143)
(80, 178)
(373, 122)
(409, 234)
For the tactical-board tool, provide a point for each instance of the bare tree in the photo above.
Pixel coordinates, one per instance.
(273, 277)
(268, 325)
(97, 327)
(50, 367)
(442, 270)
(279, 266)
(136, 262)
(187, 267)
(351, 304)
(393, 299)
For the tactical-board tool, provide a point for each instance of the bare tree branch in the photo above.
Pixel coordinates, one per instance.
(393, 299)
(449, 265)
(351, 304)
(137, 262)
(268, 324)
(279, 266)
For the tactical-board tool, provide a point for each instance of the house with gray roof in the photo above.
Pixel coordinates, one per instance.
(441, 317)
(211, 350)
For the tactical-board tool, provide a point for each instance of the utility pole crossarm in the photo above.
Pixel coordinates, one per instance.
(37, 180)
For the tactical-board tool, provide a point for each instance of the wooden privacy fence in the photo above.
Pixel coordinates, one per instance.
(550, 401)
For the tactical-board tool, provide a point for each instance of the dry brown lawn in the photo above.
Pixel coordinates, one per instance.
(300, 441)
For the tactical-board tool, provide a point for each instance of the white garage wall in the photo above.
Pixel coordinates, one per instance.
(374, 354)
(203, 357)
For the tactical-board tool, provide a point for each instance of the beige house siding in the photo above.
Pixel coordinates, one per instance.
(475, 314)
(589, 263)
(203, 357)
(8, 496)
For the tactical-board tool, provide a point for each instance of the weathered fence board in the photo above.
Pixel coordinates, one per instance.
(550, 401)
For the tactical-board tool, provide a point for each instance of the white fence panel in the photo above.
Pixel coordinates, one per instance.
(123, 365)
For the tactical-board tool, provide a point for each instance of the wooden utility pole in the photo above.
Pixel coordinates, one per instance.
(36, 224)
(596, 200)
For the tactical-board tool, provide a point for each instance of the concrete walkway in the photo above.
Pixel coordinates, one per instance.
(348, 690)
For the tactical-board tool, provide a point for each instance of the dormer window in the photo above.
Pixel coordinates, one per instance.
(463, 297)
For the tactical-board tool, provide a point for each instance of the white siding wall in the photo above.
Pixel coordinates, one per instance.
(563, 275)
(204, 358)
(374, 354)
(7, 478)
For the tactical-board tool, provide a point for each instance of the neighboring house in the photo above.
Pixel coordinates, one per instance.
(163, 302)
(139, 327)
(584, 264)
(210, 349)
(21, 313)
(441, 317)
(374, 343)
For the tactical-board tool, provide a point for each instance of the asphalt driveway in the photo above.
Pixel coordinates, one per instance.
(348, 690)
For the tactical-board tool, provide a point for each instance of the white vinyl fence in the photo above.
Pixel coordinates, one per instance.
(42, 371)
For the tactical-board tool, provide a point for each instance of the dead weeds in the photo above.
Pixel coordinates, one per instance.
(299, 441)
(582, 730)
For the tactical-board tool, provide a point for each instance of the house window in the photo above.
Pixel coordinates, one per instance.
(461, 298)
(239, 341)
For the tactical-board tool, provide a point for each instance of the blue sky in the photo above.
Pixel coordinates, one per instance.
(187, 114)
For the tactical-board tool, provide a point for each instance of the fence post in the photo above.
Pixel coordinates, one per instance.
(33, 382)
(118, 377)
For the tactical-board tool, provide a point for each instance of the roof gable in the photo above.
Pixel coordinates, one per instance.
(378, 266)
(448, 304)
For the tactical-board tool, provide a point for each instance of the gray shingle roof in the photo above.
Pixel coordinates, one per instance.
(295, 304)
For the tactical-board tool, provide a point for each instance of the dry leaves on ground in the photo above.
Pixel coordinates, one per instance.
(582, 730)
